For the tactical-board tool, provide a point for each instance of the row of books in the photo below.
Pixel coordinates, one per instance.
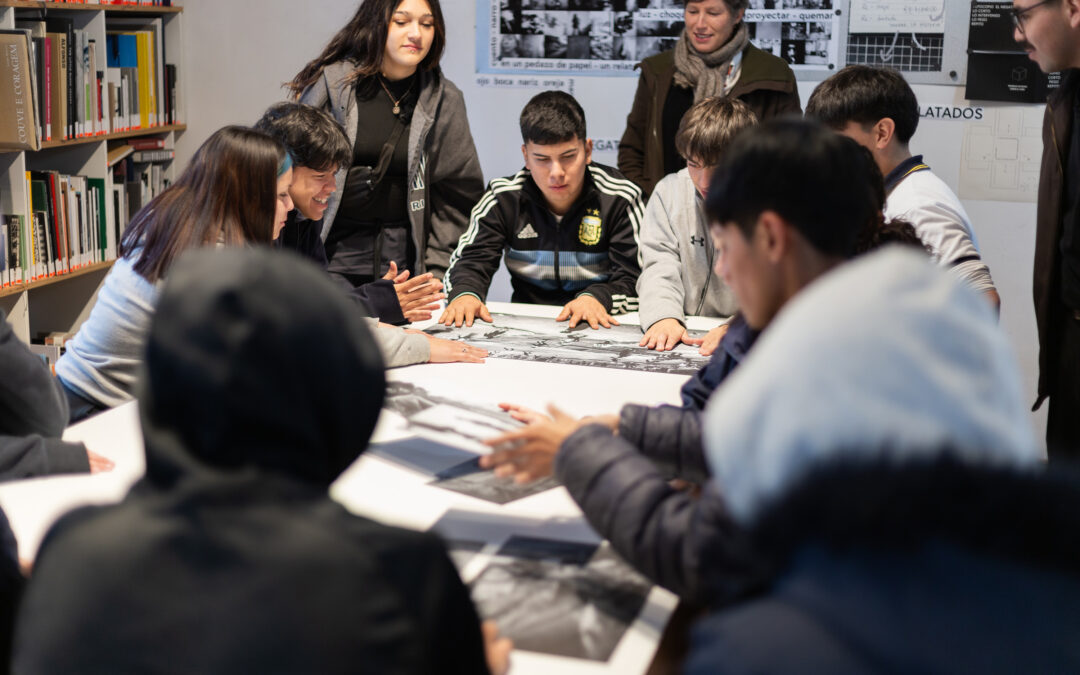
(69, 225)
(130, 3)
(66, 229)
(59, 83)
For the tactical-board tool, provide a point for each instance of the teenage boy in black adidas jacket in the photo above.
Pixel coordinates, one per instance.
(569, 227)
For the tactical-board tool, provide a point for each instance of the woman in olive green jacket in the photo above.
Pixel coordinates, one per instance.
(713, 58)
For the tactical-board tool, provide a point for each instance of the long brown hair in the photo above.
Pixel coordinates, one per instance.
(227, 193)
(363, 40)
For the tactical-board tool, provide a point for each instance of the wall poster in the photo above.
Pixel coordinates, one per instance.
(609, 37)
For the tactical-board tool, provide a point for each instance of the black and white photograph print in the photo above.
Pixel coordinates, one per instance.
(555, 46)
(532, 46)
(564, 598)
(766, 36)
(532, 23)
(469, 479)
(557, 24)
(578, 46)
(624, 48)
(451, 460)
(462, 551)
(524, 338)
(624, 32)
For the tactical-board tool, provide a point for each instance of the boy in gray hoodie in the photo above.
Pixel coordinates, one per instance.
(677, 254)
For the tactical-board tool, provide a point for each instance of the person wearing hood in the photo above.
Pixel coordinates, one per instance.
(876, 449)
(261, 385)
(772, 244)
(713, 57)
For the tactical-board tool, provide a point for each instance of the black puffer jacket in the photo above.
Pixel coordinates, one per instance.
(928, 567)
(261, 386)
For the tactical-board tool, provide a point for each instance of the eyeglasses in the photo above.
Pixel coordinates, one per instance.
(1019, 16)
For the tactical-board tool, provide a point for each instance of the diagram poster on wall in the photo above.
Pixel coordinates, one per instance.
(908, 35)
(609, 37)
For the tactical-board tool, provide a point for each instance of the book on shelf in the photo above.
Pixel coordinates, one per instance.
(14, 251)
(68, 224)
(153, 155)
(18, 114)
(149, 143)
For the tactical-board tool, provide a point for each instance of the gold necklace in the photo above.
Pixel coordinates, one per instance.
(397, 103)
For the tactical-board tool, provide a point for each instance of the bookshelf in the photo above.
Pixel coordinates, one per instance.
(61, 302)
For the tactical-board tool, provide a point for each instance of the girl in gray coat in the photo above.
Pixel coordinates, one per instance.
(414, 174)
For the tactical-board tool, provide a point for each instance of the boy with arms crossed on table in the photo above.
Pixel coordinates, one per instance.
(677, 254)
(318, 146)
(876, 108)
(787, 204)
(569, 227)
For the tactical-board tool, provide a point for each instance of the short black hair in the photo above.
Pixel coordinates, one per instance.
(817, 180)
(313, 138)
(552, 117)
(865, 95)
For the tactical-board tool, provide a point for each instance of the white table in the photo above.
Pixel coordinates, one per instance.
(390, 492)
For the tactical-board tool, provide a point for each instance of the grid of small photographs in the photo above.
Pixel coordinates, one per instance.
(616, 34)
(800, 43)
(597, 30)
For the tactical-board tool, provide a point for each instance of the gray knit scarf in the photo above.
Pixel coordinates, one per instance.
(706, 73)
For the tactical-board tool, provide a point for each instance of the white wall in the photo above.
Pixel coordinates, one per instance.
(239, 52)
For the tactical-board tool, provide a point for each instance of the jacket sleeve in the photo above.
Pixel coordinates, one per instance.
(669, 436)
(31, 400)
(34, 455)
(660, 287)
(398, 347)
(619, 293)
(660, 531)
(380, 297)
(33, 414)
(943, 229)
(631, 158)
(480, 249)
(456, 181)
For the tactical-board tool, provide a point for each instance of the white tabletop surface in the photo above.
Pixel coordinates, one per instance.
(394, 494)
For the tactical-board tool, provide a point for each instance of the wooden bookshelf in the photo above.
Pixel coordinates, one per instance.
(62, 302)
(47, 281)
(90, 7)
(134, 133)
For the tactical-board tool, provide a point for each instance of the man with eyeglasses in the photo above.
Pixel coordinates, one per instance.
(1050, 34)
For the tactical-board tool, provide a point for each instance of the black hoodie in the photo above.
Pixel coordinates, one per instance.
(261, 386)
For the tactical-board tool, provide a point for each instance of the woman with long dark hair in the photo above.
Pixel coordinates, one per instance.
(414, 175)
(235, 191)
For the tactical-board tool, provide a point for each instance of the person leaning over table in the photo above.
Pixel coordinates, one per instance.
(877, 108)
(677, 277)
(261, 385)
(414, 172)
(773, 244)
(713, 57)
(33, 414)
(317, 146)
(877, 451)
(568, 227)
(234, 192)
